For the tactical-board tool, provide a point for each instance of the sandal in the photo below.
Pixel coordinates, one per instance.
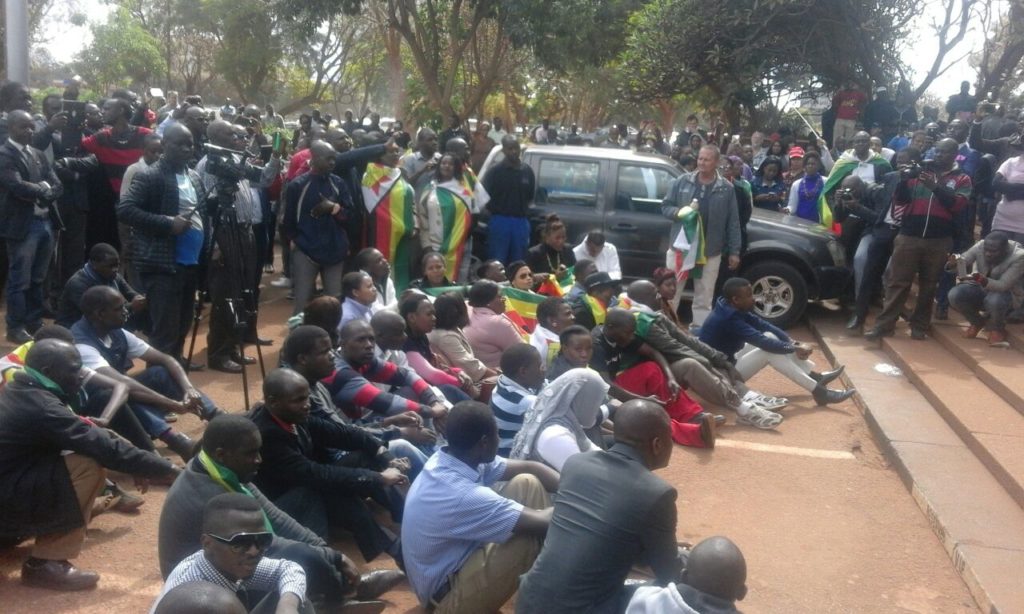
(760, 418)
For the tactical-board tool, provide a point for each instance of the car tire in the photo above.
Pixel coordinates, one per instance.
(780, 292)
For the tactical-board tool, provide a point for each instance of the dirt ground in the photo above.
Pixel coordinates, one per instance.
(821, 532)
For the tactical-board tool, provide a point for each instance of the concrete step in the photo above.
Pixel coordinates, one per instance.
(988, 425)
(998, 368)
(980, 525)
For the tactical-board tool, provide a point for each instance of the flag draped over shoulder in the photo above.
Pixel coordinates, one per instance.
(455, 204)
(687, 251)
(841, 170)
(390, 200)
(521, 305)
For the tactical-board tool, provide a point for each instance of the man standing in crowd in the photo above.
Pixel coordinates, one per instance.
(612, 512)
(511, 185)
(961, 106)
(881, 112)
(51, 463)
(28, 188)
(453, 131)
(847, 104)
(419, 165)
(932, 201)
(998, 265)
(716, 205)
(165, 207)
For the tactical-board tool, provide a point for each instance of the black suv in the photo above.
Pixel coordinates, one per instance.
(788, 260)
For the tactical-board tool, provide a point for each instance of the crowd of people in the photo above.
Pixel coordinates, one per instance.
(458, 400)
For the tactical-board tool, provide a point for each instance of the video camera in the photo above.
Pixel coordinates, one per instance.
(75, 111)
(225, 164)
(914, 170)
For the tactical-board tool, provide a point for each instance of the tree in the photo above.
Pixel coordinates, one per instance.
(999, 62)
(38, 12)
(122, 52)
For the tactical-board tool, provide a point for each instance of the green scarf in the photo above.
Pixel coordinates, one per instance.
(228, 480)
(51, 386)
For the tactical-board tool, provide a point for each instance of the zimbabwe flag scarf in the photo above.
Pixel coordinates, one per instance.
(391, 203)
(454, 202)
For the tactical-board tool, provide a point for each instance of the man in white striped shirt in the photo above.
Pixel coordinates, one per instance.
(516, 392)
(236, 533)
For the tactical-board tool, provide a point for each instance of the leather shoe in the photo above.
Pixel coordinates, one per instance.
(824, 396)
(707, 431)
(57, 575)
(260, 341)
(855, 322)
(828, 376)
(876, 334)
(18, 336)
(697, 419)
(376, 583)
(249, 360)
(225, 365)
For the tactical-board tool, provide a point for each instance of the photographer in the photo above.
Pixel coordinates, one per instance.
(998, 265)
(932, 201)
(233, 184)
(874, 204)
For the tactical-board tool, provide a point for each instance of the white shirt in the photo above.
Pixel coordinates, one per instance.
(607, 260)
(547, 344)
(1010, 213)
(92, 358)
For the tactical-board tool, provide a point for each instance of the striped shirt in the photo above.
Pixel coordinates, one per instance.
(509, 403)
(458, 513)
(116, 155)
(271, 576)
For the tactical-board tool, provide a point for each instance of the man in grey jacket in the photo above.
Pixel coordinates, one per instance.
(229, 459)
(716, 202)
(998, 268)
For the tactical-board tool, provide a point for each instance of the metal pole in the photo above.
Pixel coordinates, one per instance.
(17, 40)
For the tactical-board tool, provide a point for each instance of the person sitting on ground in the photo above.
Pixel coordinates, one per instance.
(101, 269)
(490, 331)
(200, 597)
(612, 512)
(475, 537)
(591, 308)
(585, 267)
(516, 392)
(420, 320)
(715, 578)
(752, 343)
(359, 296)
(449, 340)
(432, 268)
(371, 261)
(234, 542)
(51, 466)
(636, 370)
(565, 419)
(553, 316)
(318, 494)
(999, 267)
(595, 247)
(390, 331)
(667, 283)
(109, 349)
(551, 255)
(228, 462)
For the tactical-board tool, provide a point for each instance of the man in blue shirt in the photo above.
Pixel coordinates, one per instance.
(465, 545)
(753, 343)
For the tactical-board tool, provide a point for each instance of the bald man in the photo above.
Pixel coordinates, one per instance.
(611, 513)
(199, 597)
(52, 465)
(28, 188)
(318, 206)
(714, 580)
(419, 165)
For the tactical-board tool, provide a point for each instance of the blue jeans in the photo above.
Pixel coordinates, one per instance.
(158, 379)
(507, 238)
(28, 261)
(970, 299)
(401, 448)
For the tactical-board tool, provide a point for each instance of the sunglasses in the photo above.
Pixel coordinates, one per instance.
(242, 542)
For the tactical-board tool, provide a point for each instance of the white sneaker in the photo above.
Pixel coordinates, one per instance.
(760, 418)
(281, 282)
(765, 402)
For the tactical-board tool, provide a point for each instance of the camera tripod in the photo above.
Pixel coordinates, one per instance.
(231, 296)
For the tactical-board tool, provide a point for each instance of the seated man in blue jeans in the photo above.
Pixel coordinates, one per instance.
(998, 265)
(162, 387)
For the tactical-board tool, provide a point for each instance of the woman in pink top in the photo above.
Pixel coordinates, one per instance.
(490, 332)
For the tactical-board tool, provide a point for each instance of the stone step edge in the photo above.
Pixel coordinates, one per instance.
(960, 559)
(1013, 485)
(943, 334)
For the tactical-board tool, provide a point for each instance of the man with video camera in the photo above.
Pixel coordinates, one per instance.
(233, 184)
(932, 200)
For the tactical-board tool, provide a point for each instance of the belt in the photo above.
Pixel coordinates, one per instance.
(439, 595)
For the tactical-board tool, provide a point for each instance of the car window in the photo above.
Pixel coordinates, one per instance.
(641, 188)
(567, 182)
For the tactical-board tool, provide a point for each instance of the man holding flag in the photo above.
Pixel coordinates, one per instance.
(867, 164)
(706, 228)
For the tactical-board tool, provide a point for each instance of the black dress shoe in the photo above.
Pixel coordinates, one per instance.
(260, 341)
(225, 365)
(855, 322)
(57, 575)
(376, 583)
(697, 419)
(828, 376)
(249, 360)
(824, 396)
(707, 431)
(876, 334)
(18, 336)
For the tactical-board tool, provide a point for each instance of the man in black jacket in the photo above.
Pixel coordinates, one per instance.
(28, 187)
(166, 209)
(49, 493)
(101, 269)
(296, 477)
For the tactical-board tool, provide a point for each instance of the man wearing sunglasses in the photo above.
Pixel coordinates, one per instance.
(236, 535)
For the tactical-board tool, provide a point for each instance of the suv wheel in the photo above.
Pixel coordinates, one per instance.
(780, 292)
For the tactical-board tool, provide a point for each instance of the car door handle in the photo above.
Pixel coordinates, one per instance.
(624, 226)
